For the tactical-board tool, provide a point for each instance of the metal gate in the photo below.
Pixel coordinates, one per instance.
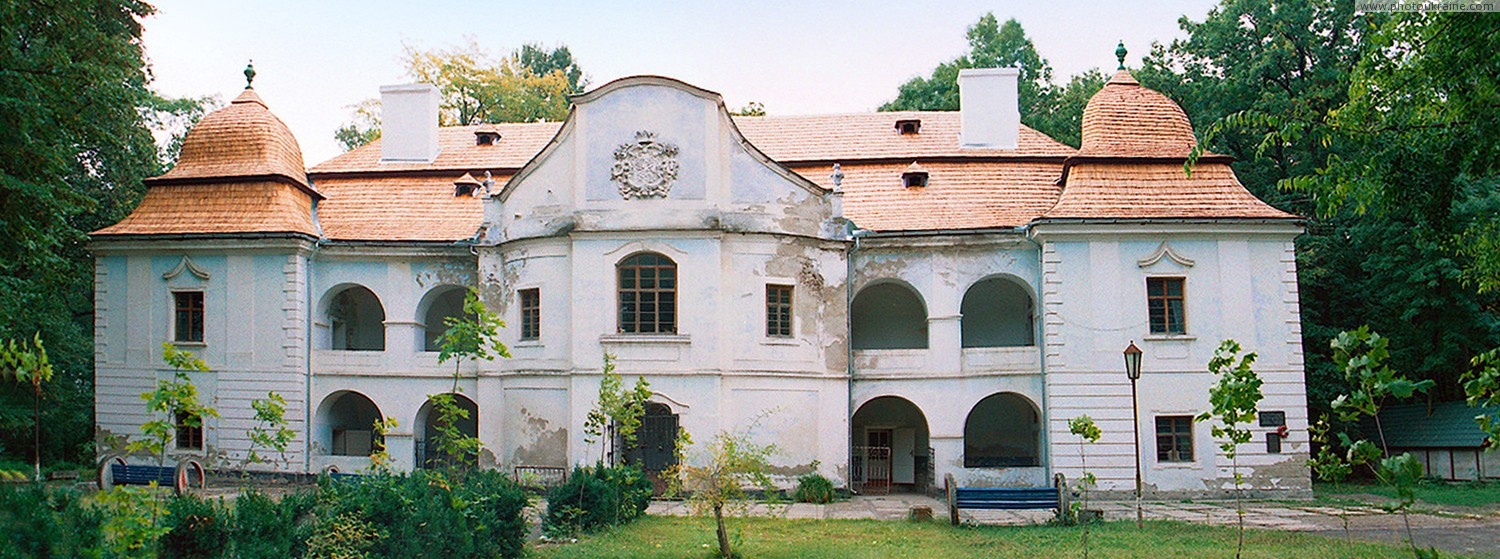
(872, 468)
(655, 446)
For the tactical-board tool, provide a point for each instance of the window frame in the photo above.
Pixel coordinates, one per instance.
(529, 302)
(658, 326)
(1166, 299)
(186, 434)
(1175, 438)
(177, 309)
(779, 313)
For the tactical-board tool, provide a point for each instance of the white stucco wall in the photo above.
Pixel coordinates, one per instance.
(1241, 285)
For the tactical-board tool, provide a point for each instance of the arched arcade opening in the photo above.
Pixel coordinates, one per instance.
(891, 446)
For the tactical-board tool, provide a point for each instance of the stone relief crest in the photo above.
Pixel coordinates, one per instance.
(645, 168)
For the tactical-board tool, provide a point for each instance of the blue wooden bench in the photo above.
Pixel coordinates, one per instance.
(182, 478)
(1006, 498)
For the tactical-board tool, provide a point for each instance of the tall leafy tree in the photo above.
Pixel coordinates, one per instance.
(542, 62)
(529, 85)
(1001, 45)
(1270, 82)
(76, 143)
(476, 87)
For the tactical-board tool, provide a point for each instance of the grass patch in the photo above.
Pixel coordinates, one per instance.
(660, 536)
(1436, 493)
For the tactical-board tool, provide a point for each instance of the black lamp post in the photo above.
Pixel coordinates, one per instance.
(1133, 370)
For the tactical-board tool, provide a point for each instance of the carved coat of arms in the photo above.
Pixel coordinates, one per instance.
(645, 168)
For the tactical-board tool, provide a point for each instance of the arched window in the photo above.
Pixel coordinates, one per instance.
(997, 313)
(357, 320)
(448, 303)
(648, 294)
(1002, 431)
(889, 316)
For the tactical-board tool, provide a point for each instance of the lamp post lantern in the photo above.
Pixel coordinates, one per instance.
(1133, 370)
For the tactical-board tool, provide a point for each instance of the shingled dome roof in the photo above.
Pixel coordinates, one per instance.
(240, 172)
(242, 140)
(1126, 120)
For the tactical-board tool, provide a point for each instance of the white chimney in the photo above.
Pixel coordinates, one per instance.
(409, 122)
(989, 112)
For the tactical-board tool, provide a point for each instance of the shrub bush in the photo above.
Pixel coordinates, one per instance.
(196, 529)
(814, 488)
(268, 529)
(37, 522)
(597, 497)
(429, 514)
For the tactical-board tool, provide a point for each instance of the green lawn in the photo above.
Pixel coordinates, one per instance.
(1438, 494)
(764, 538)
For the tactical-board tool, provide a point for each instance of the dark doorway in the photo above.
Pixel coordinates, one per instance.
(655, 447)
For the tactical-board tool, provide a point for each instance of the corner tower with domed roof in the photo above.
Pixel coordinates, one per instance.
(214, 260)
(1139, 250)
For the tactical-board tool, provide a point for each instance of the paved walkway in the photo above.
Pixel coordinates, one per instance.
(1471, 534)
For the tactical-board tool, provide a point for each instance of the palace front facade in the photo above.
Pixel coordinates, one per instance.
(887, 297)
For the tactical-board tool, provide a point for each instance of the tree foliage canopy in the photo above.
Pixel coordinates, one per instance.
(1051, 109)
(1291, 90)
(76, 142)
(530, 84)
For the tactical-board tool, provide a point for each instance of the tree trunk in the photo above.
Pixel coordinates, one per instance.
(724, 550)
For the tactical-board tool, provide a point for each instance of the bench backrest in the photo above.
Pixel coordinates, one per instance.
(126, 474)
(1006, 498)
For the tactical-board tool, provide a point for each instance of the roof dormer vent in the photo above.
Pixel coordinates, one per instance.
(908, 126)
(466, 185)
(915, 176)
(486, 135)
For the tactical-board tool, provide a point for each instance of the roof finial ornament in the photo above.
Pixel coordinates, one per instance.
(249, 73)
(1120, 53)
(837, 176)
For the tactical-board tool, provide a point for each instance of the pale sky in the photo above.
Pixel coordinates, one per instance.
(316, 58)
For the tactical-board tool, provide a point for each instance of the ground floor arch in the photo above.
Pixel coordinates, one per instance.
(891, 446)
(1003, 430)
(429, 426)
(346, 424)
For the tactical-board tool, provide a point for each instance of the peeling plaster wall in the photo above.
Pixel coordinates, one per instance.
(1241, 284)
(732, 223)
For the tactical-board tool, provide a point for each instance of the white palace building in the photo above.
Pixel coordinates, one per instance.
(898, 296)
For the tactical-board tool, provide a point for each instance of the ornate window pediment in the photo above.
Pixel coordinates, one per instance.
(1165, 251)
(186, 265)
(645, 168)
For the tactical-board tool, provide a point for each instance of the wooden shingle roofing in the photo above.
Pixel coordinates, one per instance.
(240, 172)
(221, 208)
(958, 195)
(1135, 141)
(1157, 190)
(1130, 165)
(398, 208)
(241, 140)
(1125, 119)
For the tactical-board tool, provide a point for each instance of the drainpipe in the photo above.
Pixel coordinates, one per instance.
(849, 349)
(1039, 326)
(307, 340)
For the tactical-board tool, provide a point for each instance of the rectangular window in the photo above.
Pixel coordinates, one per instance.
(779, 311)
(531, 314)
(1174, 438)
(189, 435)
(188, 306)
(1165, 301)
